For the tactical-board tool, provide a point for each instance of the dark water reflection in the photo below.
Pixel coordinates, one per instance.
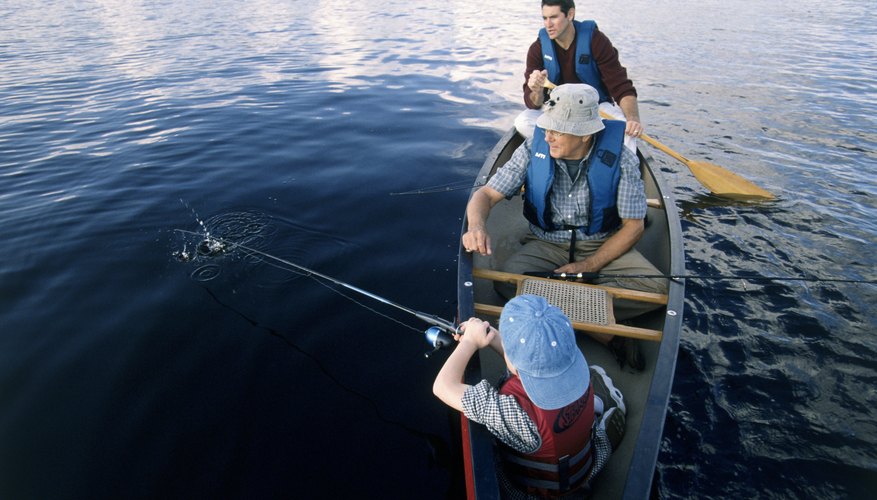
(125, 372)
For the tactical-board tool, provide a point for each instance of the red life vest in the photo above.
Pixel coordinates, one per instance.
(565, 459)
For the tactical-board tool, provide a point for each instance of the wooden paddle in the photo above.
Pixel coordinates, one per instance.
(718, 180)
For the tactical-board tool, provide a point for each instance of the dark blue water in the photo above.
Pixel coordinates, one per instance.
(127, 372)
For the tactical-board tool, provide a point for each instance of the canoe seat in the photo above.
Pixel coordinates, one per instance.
(589, 307)
(583, 304)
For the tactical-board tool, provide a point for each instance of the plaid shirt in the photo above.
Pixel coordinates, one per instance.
(570, 199)
(502, 415)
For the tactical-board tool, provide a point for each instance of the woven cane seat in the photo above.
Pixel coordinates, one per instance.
(581, 304)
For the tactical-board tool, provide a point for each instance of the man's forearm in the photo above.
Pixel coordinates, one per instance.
(617, 245)
(535, 98)
(478, 209)
(630, 108)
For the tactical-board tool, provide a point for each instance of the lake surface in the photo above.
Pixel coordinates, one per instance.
(324, 133)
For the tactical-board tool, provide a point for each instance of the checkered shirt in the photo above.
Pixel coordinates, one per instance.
(502, 415)
(570, 200)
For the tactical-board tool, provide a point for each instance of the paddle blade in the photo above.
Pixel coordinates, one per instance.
(725, 183)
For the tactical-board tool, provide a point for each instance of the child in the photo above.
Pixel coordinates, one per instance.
(543, 413)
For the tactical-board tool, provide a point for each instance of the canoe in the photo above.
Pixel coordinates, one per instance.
(631, 469)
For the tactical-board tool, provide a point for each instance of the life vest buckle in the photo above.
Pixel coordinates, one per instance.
(607, 157)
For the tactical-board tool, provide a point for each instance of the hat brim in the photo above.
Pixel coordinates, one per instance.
(547, 122)
(551, 393)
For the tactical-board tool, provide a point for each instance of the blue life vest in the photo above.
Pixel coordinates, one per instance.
(586, 67)
(604, 174)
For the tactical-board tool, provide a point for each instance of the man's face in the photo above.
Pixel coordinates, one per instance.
(566, 146)
(556, 23)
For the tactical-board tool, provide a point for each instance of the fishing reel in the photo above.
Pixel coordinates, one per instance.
(438, 338)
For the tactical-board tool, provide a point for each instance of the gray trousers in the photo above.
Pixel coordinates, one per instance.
(542, 256)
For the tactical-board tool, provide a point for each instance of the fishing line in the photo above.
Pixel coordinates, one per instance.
(330, 288)
(348, 297)
(440, 188)
(213, 245)
(676, 277)
(340, 293)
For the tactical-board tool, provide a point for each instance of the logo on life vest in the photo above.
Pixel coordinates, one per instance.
(569, 415)
(541, 156)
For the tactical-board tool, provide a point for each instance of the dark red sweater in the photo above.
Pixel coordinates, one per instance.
(614, 75)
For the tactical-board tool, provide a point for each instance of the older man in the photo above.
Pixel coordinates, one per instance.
(584, 199)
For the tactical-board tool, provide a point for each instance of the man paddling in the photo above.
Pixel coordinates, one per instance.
(569, 51)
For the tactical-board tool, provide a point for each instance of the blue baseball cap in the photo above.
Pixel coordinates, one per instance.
(539, 341)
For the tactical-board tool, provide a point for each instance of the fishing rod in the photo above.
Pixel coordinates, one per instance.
(676, 277)
(439, 335)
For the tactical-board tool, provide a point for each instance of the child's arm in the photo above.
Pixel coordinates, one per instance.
(449, 386)
(496, 341)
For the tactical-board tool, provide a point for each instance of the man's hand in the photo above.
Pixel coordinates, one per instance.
(634, 128)
(476, 239)
(536, 84)
(537, 79)
(580, 266)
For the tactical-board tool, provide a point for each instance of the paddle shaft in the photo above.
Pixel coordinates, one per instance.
(654, 142)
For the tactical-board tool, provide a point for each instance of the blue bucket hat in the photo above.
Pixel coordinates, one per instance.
(539, 341)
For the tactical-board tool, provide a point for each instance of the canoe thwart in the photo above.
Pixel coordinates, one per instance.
(589, 307)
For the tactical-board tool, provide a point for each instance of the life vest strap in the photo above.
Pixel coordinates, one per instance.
(572, 243)
(553, 468)
(562, 485)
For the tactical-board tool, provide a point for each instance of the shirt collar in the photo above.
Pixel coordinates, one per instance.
(583, 160)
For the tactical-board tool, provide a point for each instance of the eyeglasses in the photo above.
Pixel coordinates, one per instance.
(555, 134)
